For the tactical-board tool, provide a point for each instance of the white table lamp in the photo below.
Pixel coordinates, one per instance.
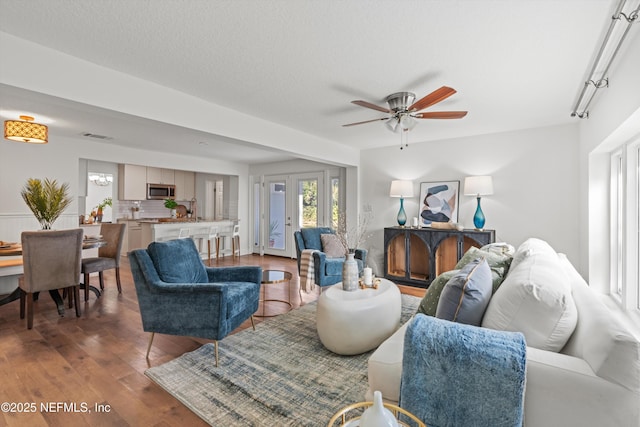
(402, 189)
(478, 186)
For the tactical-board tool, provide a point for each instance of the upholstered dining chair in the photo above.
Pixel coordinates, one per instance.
(179, 295)
(51, 261)
(108, 257)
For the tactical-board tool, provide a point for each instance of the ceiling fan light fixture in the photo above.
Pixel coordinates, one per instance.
(407, 122)
(392, 124)
(403, 111)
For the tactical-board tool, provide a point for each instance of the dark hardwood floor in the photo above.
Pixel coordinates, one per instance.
(90, 370)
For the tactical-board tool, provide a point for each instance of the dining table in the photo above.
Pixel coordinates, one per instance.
(14, 249)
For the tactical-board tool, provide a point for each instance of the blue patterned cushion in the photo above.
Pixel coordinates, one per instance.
(178, 261)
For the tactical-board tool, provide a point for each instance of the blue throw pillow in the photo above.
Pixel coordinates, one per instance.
(178, 261)
(311, 237)
(466, 295)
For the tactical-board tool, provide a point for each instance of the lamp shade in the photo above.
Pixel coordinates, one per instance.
(401, 188)
(25, 131)
(478, 186)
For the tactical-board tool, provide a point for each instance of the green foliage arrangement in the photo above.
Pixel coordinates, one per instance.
(170, 204)
(106, 202)
(46, 199)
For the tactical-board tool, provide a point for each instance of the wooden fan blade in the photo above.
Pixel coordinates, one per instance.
(366, 121)
(433, 98)
(441, 115)
(372, 106)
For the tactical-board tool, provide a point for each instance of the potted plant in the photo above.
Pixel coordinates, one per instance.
(46, 199)
(273, 233)
(172, 205)
(106, 202)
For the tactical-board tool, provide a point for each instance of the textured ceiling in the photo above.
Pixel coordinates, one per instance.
(516, 64)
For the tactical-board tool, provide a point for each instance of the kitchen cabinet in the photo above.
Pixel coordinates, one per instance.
(132, 182)
(160, 176)
(416, 256)
(132, 236)
(185, 185)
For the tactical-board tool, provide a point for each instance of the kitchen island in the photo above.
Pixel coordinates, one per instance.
(153, 231)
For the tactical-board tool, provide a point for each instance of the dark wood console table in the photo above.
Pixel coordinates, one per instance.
(416, 256)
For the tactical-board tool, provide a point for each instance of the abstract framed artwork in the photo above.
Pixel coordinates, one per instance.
(439, 201)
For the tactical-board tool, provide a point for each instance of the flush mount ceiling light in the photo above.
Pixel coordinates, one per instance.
(404, 111)
(598, 76)
(25, 131)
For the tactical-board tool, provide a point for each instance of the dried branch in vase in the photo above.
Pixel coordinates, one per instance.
(353, 237)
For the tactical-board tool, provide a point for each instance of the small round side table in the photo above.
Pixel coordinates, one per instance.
(274, 277)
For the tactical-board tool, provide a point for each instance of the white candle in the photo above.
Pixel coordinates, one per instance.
(415, 221)
(367, 275)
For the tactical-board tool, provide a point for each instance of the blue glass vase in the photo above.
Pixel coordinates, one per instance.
(478, 218)
(402, 216)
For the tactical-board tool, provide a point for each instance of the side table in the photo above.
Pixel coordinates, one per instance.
(274, 277)
(352, 322)
(349, 416)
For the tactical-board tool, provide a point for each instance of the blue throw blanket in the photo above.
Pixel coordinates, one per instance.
(458, 375)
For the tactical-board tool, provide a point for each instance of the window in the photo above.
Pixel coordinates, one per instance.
(625, 225)
(308, 202)
(335, 201)
(617, 223)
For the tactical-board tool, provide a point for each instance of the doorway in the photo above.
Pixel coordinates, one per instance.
(277, 215)
(291, 202)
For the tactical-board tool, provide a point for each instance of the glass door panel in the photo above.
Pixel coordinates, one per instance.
(278, 216)
(308, 203)
(309, 207)
(335, 202)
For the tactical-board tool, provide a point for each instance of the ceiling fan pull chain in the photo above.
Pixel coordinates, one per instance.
(404, 138)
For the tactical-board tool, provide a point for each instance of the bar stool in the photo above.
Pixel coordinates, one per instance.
(182, 234)
(209, 236)
(234, 236)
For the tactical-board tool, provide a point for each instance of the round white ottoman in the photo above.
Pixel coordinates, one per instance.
(354, 322)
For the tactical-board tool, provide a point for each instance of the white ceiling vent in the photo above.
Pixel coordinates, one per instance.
(96, 136)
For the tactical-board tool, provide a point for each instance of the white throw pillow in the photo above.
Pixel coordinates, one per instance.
(535, 299)
(532, 246)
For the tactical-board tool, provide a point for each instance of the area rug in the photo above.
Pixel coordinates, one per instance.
(278, 375)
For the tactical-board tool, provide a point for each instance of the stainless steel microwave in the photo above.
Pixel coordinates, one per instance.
(161, 191)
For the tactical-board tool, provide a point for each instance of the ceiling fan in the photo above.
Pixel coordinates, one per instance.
(403, 110)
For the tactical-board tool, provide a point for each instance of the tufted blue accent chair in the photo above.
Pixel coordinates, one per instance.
(179, 295)
(327, 271)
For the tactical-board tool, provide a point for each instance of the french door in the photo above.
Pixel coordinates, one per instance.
(291, 202)
(277, 215)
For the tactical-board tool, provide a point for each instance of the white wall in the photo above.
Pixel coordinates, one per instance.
(535, 178)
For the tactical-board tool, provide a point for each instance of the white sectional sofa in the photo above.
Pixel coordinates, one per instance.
(594, 380)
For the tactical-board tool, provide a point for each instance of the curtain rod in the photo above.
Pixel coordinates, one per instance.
(604, 81)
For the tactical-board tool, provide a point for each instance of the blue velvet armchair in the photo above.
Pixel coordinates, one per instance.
(179, 295)
(327, 271)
